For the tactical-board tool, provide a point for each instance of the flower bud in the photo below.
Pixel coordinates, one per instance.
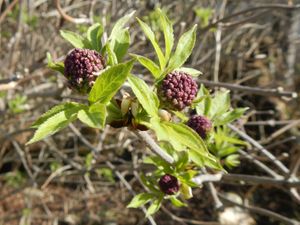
(177, 90)
(169, 184)
(164, 115)
(201, 124)
(82, 67)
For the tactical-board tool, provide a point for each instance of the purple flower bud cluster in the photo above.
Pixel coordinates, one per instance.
(177, 90)
(200, 124)
(169, 184)
(81, 68)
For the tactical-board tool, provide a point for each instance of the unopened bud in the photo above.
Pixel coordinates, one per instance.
(164, 115)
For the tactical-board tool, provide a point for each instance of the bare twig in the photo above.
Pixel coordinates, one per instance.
(70, 18)
(7, 10)
(264, 151)
(153, 146)
(261, 7)
(253, 90)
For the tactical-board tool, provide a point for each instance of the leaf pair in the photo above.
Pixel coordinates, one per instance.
(167, 63)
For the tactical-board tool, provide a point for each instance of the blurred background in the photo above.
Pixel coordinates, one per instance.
(249, 47)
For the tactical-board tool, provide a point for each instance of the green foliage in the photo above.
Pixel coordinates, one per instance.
(140, 200)
(150, 35)
(109, 82)
(145, 95)
(217, 107)
(58, 66)
(55, 122)
(94, 34)
(183, 50)
(225, 145)
(106, 173)
(204, 14)
(14, 179)
(75, 39)
(93, 116)
(17, 104)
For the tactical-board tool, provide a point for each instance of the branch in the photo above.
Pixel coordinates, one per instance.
(253, 90)
(153, 146)
(70, 18)
(264, 151)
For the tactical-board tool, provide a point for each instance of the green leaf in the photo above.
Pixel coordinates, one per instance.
(167, 28)
(204, 160)
(113, 112)
(109, 82)
(158, 162)
(55, 123)
(94, 35)
(119, 25)
(182, 161)
(149, 64)
(186, 191)
(56, 109)
(229, 116)
(191, 71)
(93, 116)
(75, 39)
(147, 98)
(57, 66)
(176, 202)
(232, 160)
(111, 55)
(183, 50)
(154, 207)
(203, 107)
(187, 137)
(149, 33)
(139, 200)
(121, 44)
(220, 104)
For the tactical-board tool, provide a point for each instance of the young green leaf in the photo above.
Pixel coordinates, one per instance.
(145, 95)
(204, 160)
(57, 66)
(66, 106)
(93, 116)
(183, 50)
(176, 202)
(149, 33)
(219, 105)
(111, 55)
(75, 39)
(190, 71)
(167, 28)
(121, 44)
(94, 35)
(119, 25)
(187, 137)
(203, 107)
(186, 191)
(139, 200)
(109, 82)
(55, 123)
(230, 116)
(149, 64)
(154, 207)
(183, 160)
